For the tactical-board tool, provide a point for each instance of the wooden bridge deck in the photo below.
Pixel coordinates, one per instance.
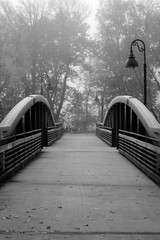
(80, 188)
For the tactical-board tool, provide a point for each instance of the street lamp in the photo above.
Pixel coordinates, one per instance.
(96, 99)
(132, 63)
(100, 103)
(49, 86)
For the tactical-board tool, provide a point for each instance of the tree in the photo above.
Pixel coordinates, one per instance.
(13, 61)
(57, 48)
(120, 22)
(80, 110)
(42, 41)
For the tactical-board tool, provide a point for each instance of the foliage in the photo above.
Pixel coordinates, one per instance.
(47, 41)
(81, 110)
(41, 42)
(120, 22)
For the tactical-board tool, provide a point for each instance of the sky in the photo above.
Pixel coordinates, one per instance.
(91, 20)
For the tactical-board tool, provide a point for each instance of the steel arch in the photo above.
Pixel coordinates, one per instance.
(117, 116)
(13, 118)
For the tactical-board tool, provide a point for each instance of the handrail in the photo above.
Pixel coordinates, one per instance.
(105, 134)
(54, 133)
(141, 137)
(15, 154)
(18, 136)
(17, 150)
(143, 151)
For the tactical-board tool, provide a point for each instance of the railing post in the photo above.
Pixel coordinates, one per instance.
(113, 137)
(2, 160)
(117, 139)
(158, 162)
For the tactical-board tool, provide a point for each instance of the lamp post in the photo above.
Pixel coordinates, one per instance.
(100, 103)
(49, 90)
(49, 86)
(132, 63)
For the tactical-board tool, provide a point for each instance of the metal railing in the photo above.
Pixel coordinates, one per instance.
(143, 151)
(54, 133)
(104, 133)
(16, 151)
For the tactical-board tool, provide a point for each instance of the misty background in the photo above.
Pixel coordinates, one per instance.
(81, 51)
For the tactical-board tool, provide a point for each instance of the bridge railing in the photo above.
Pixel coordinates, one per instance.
(141, 150)
(54, 133)
(105, 133)
(18, 150)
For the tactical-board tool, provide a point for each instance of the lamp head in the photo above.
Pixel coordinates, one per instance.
(131, 61)
(96, 99)
(49, 87)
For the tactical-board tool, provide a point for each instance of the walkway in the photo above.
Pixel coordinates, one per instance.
(80, 189)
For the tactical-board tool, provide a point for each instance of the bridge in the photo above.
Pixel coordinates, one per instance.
(80, 187)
